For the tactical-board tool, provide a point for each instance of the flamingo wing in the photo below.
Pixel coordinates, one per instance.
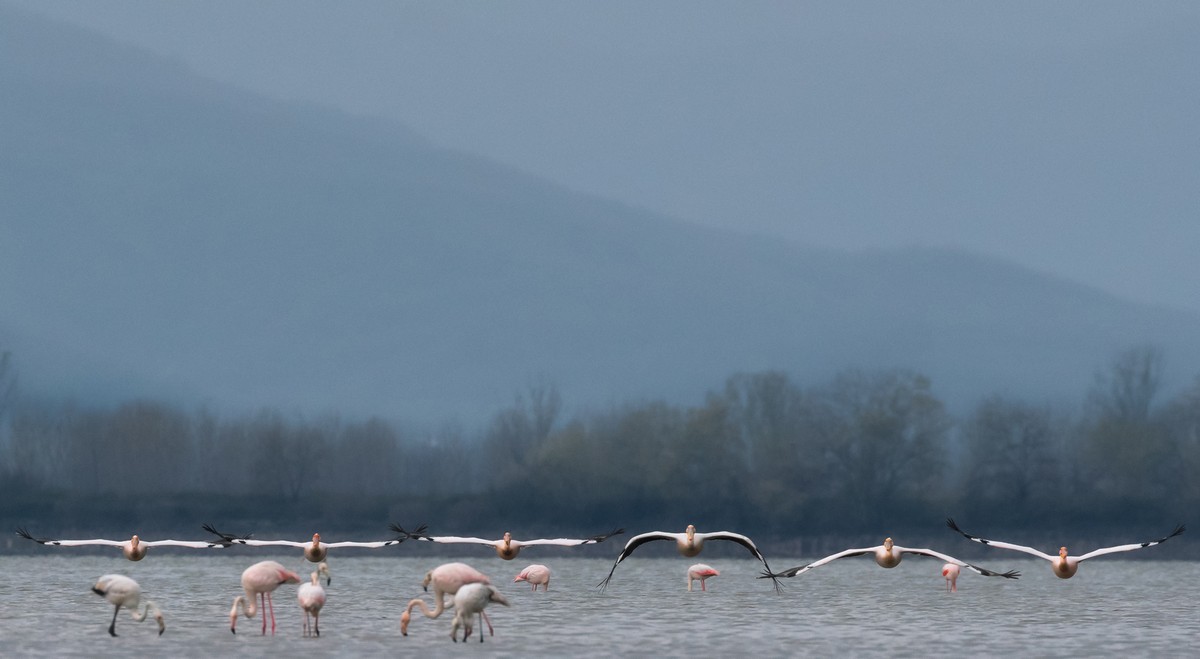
(1011, 574)
(71, 543)
(454, 539)
(1139, 545)
(370, 545)
(271, 543)
(226, 538)
(635, 542)
(997, 543)
(801, 569)
(743, 541)
(197, 544)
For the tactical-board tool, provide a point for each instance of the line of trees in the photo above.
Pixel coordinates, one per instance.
(862, 451)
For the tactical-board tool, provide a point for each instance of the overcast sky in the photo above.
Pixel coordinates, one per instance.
(1062, 136)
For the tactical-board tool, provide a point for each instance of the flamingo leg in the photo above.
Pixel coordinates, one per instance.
(317, 623)
(481, 630)
(272, 607)
(112, 627)
(703, 588)
(492, 632)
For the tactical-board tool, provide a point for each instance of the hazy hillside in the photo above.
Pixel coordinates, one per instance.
(163, 235)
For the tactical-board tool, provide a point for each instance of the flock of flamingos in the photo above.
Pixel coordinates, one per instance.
(472, 591)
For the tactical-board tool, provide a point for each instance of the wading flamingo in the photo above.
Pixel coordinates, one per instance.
(312, 597)
(260, 579)
(133, 548)
(120, 591)
(888, 555)
(506, 547)
(535, 574)
(950, 572)
(446, 579)
(472, 599)
(689, 543)
(314, 550)
(1065, 566)
(700, 572)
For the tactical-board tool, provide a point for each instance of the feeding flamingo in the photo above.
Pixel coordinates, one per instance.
(689, 543)
(120, 591)
(535, 574)
(1065, 566)
(471, 599)
(312, 598)
(134, 548)
(446, 579)
(506, 547)
(950, 572)
(260, 579)
(315, 550)
(888, 555)
(700, 572)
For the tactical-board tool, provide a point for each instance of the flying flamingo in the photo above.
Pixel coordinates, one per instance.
(120, 591)
(133, 548)
(446, 579)
(888, 555)
(950, 572)
(260, 579)
(1065, 566)
(469, 600)
(535, 574)
(505, 547)
(700, 572)
(315, 550)
(689, 543)
(312, 598)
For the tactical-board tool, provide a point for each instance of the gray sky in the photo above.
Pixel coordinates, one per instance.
(1059, 135)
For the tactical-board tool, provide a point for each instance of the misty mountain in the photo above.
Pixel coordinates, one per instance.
(164, 235)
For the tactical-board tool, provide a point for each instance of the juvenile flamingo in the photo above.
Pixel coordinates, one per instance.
(700, 572)
(888, 555)
(950, 572)
(689, 543)
(535, 574)
(120, 591)
(315, 550)
(134, 548)
(260, 579)
(446, 579)
(506, 547)
(312, 598)
(1065, 566)
(471, 599)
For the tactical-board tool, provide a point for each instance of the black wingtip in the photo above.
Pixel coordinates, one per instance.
(415, 534)
(1178, 529)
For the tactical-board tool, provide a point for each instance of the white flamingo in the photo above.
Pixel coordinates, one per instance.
(134, 548)
(446, 579)
(888, 555)
(535, 575)
(506, 547)
(689, 543)
(700, 572)
(312, 598)
(120, 591)
(472, 599)
(1064, 565)
(315, 550)
(260, 579)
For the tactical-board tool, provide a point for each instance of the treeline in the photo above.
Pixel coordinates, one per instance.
(861, 452)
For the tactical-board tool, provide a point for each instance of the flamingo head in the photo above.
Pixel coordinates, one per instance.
(495, 596)
(690, 532)
(133, 542)
(316, 540)
(425, 583)
(322, 570)
(888, 544)
(507, 537)
(1062, 552)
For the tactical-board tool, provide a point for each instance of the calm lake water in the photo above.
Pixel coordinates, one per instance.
(849, 608)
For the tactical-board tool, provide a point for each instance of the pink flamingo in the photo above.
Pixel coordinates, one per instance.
(950, 572)
(260, 579)
(1065, 566)
(120, 591)
(506, 547)
(535, 574)
(446, 579)
(134, 548)
(469, 600)
(312, 598)
(700, 572)
(888, 555)
(315, 550)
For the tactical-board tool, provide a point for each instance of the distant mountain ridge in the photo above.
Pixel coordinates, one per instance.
(163, 235)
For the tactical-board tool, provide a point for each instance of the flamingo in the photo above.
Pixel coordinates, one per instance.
(134, 548)
(505, 547)
(535, 574)
(950, 572)
(472, 599)
(888, 555)
(120, 591)
(315, 550)
(700, 572)
(1065, 566)
(446, 579)
(260, 579)
(689, 543)
(312, 598)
